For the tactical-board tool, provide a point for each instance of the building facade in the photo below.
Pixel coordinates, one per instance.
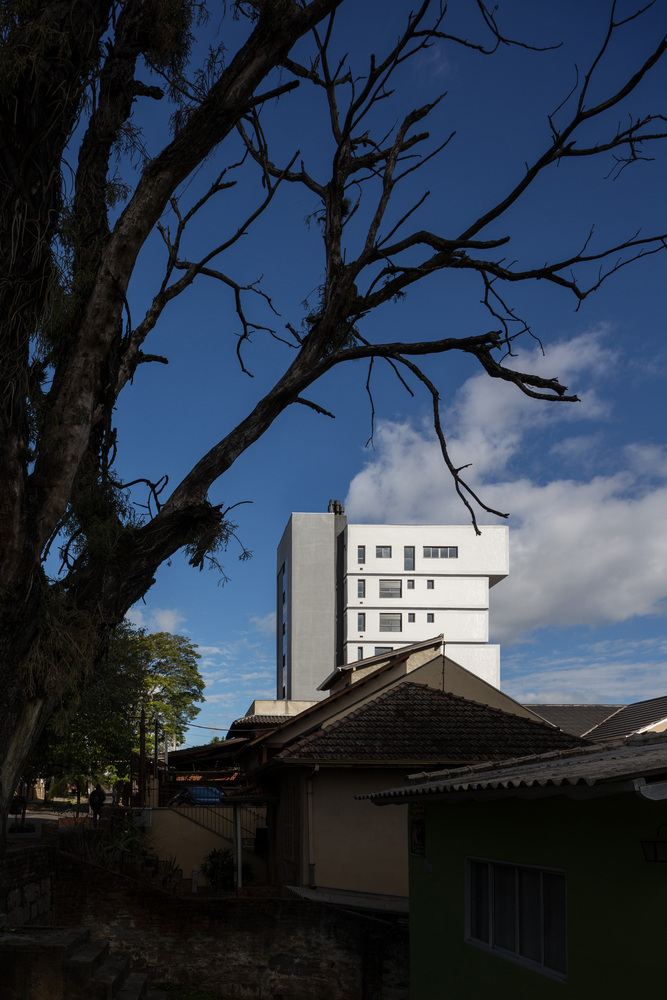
(346, 592)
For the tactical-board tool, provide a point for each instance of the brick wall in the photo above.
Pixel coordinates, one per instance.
(26, 877)
(281, 949)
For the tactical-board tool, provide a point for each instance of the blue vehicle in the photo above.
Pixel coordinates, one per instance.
(197, 795)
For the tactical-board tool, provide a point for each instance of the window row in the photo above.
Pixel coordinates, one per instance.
(391, 588)
(430, 552)
(390, 622)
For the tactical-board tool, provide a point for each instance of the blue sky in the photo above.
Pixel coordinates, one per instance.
(582, 615)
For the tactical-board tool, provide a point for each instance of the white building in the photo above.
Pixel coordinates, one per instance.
(350, 591)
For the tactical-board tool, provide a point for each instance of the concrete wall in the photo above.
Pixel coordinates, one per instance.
(454, 592)
(307, 550)
(615, 900)
(356, 845)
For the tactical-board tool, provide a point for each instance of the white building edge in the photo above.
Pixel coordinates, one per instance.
(347, 592)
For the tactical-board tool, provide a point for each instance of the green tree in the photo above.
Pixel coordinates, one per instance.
(75, 80)
(171, 684)
(94, 733)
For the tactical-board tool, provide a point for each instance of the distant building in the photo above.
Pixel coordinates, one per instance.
(347, 592)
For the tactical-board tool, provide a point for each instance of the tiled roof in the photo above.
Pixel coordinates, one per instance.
(575, 719)
(416, 722)
(630, 719)
(251, 725)
(641, 757)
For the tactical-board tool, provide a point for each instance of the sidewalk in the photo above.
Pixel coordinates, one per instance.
(36, 816)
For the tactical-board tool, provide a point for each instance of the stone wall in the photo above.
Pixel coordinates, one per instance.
(283, 949)
(26, 878)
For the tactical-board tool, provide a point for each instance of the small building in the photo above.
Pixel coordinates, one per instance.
(415, 709)
(533, 878)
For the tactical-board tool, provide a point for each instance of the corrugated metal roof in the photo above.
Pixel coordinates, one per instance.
(575, 719)
(640, 757)
(630, 719)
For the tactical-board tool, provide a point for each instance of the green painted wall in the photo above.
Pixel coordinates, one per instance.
(616, 910)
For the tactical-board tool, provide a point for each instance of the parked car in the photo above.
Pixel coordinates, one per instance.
(197, 795)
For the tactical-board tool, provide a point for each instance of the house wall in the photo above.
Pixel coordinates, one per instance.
(173, 835)
(356, 845)
(615, 900)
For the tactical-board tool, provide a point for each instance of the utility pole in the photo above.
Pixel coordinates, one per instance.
(142, 759)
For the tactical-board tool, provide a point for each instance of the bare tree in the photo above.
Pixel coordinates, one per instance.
(70, 81)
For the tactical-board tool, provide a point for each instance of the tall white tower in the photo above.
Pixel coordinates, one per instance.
(350, 591)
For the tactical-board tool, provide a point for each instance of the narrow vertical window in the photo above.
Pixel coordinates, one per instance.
(360, 652)
(408, 557)
(361, 622)
(361, 553)
(361, 588)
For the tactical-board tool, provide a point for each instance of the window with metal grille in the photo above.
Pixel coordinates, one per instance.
(390, 588)
(518, 912)
(390, 623)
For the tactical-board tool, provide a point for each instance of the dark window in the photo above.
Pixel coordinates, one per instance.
(411, 617)
(408, 557)
(430, 584)
(360, 652)
(381, 650)
(361, 622)
(430, 618)
(519, 912)
(410, 584)
(361, 588)
(361, 553)
(390, 623)
(390, 588)
(383, 551)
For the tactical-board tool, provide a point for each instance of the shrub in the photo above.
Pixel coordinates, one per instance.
(218, 869)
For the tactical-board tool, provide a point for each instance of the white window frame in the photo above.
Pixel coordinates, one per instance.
(514, 954)
(441, 552)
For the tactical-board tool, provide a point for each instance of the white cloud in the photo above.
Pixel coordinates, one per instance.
(266, 624)
(585, 681)
(156, 619)
(589, 549)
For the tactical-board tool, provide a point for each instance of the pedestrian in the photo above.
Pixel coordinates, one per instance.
(96, 800)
